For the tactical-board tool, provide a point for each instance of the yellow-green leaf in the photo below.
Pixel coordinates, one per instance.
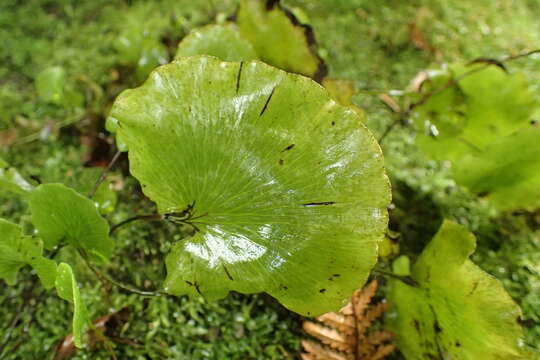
(17, 250)
(278, 38)
(60, 213)
(456, 311)
(68, 289)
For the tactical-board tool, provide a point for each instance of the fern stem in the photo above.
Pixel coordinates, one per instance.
(119, 284)
(405, 279)
(152, 217)
(104, 173)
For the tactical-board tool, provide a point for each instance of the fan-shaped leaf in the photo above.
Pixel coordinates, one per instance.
(60, 213)
(220, 40)
(284, 188)
(17, 250)
(457, 311)
(278, 38)
(67, 289)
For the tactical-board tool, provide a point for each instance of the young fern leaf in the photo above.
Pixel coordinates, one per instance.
(17, 251)
(60, 213)
(346, 335)
(67, 289)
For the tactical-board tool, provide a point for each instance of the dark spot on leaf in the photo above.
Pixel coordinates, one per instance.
(288, 148)
(333, 123)
(270, 4)
(280, 161)
(416, 325)
(197, 288)
(267, 102)
(239, 76)
(475, 285)
(228, 273)
(33, 177)
(322, 203)
(437, 327)
(458, 344)
(189, 283)
(336, 275)
(322, 291)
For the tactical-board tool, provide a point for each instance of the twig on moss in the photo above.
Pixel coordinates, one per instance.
(104, 173)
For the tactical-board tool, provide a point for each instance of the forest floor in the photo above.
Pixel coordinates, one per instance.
(378, 45)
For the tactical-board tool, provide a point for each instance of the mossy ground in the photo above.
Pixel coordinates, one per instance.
(368, 42)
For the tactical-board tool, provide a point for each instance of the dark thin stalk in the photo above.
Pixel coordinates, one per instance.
(108, 278)
(105, 173)
(152, 217)
(405, 279)
(400, 119)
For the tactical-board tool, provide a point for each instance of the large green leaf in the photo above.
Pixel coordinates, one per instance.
(457, 311)
(17, 250)
(60, 213)
(288, 188)
(278, 38)
(67, 289)
(507, 172)
(464, 119)
(220, 40)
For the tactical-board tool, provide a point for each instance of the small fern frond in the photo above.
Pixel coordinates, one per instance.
(346, 335)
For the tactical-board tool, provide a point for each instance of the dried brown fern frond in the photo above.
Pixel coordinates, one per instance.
(347, 335)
